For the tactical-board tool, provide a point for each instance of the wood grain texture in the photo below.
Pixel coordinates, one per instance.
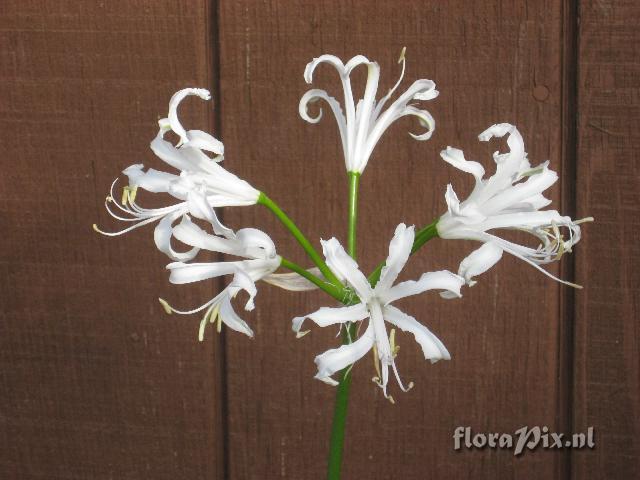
(488, 59)
(96, 382)
(607, 361)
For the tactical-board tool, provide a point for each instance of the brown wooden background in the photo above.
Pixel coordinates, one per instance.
(96, 382)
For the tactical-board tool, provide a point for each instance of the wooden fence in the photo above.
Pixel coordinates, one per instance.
(96, 382)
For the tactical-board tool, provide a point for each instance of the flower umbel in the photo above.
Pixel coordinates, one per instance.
(511, 199)
(365, 122)
(376, 306)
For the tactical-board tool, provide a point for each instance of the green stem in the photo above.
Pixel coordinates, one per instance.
(354, 180)
(336, 445)
(423, 236)
(299, 236)
(338, 293)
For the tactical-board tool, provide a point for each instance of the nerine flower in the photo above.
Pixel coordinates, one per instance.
(200, 185)
(258, 260)
(362, 124)
(511, 199)
(375, 305)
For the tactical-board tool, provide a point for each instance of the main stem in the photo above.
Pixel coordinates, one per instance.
(336, 445)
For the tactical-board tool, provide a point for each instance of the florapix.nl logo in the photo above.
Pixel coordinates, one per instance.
(524, 438)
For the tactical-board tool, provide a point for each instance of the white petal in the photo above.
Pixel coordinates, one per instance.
(524, 220)
(315, 95)
(343, 70)
(517, 193)
(200, 208)
(177, 97)
(168, 153)
(424, 118)
(162, 238)
(455, 157)
(399, 251)
(515, 142)
(204, 141)
(345, 267)
(256, 243)
(231, 319)
(194, 272)
(293, 281)
(191, 234)
(336, 359)
(360, 156)
(479, 261)
(441, 280)
(152, 180)
(331, 316)
(432, 348)
(243, 281)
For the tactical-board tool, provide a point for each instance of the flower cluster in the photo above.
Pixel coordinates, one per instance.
(510, 199)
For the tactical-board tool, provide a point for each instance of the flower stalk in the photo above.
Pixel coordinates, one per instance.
(338, 293)
(301, 239)
(336, 444)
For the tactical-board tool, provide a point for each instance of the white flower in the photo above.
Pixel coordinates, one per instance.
(200, 185)
(259, 259)
(376, 306)
(510, 199)
(365, 122)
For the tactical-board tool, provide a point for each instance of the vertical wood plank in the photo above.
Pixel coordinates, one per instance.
(493, 62)
(607, 378)
(95, 380)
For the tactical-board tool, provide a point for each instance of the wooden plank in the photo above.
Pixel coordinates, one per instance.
(493, 62)
(95, 380)
(607, 377)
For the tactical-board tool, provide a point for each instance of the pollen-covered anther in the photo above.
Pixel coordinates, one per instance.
(166, 306)
(302, 333)
(129, 194)
(392, 341)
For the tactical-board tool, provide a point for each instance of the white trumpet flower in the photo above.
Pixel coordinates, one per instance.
(365, 122)
(259, 260)
(511, 199)
(376, 306)
(200, 185)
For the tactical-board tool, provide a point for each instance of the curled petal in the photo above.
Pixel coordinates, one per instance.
(515, 141)
(455, 157)
(204, 141)
(177, 97)
(242, 281)
(426, 121)
(162, 237)
(315, 95)
(432, 348)
(343, 70)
